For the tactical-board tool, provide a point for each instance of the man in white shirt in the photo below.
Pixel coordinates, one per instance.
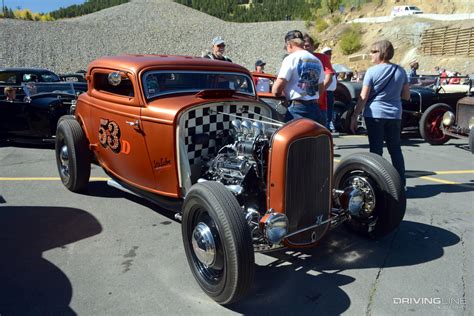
(300, 78)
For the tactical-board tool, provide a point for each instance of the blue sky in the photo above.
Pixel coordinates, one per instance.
(40, 5)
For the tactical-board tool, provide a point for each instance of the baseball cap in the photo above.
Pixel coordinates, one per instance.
(217, 40)
(259, 63)
(292, 35)
(326, 49)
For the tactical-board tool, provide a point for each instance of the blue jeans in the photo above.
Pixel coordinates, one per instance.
(389, 130)
(330, 102)
(308, 109)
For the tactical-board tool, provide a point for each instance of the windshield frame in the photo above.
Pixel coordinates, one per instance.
(149, 96)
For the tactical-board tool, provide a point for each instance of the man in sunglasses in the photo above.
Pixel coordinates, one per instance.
(218, 49)
(300, 79)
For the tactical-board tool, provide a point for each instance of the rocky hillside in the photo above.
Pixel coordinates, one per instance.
(165, 27)
(137, 27)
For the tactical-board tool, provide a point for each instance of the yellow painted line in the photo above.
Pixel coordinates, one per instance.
(350, 136)
(454, 172)
(439, 180)
(48, 179)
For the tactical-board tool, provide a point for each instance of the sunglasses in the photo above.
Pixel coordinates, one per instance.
(372, 51)
(221, 45)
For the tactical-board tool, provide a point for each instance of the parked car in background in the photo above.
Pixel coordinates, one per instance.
(405, 10)
(439, 123)
(74, 77)
(14, 77)
(278, 105)
(421, 98)
(191, 135)
(32, 117)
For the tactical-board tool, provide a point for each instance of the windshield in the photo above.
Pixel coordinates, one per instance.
(156, 83)
(33, 88)
(414, 9)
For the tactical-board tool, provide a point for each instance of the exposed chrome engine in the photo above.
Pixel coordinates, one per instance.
(241, 166)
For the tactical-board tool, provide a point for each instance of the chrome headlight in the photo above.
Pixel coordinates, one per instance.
(276, 227)
(448, 118)
(471, 122)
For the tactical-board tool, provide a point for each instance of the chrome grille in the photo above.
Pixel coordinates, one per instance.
(464, 112)
(308, 186)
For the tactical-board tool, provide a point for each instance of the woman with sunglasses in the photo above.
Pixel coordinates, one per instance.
(384, 85)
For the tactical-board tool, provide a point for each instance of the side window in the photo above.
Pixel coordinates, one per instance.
(8, 77)
(124, 88)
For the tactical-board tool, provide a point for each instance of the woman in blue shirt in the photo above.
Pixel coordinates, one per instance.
(385, 84)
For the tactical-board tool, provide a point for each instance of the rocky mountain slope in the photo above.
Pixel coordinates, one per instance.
(165, 27)
(138, 27)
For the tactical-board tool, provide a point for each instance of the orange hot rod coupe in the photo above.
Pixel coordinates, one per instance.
(191, 135)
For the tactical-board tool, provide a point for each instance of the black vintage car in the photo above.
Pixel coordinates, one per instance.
(418, 112)
(442, 124)
(14, 77)
(32, 117)
(74, 77)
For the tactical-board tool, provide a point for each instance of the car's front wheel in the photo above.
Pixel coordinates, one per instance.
(379, 191)
(217, 242)
(430, 124)
(72, 154)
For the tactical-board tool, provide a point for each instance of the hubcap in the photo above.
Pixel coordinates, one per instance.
(362, 199)
(203, 244)
(64, 158)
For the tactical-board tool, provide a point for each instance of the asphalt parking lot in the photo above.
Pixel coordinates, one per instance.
(109, 253)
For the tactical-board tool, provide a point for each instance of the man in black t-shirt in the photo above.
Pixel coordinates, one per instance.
(218, 49)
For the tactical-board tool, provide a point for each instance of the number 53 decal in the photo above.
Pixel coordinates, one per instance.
(109, 135)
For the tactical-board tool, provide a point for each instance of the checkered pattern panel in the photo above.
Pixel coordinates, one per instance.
(211, 120)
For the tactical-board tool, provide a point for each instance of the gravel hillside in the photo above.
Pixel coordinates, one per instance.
(137, 27)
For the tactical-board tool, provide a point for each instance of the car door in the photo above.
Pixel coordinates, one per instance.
(13, 117)
(117, 132)
(278, 104)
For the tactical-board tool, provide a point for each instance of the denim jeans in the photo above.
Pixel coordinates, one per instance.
(308, 109)
(330, 102)
(389, 130)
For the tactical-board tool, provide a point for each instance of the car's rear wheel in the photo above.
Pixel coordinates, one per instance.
(379, 187)
(345, 120)
(339, 123)
(430, 124)
(72, 154)
(217, 242)
(471, 140)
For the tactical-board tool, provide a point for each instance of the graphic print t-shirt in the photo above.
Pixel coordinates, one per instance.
(304, 72)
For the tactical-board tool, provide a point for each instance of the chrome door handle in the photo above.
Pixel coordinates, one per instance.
(134, 124)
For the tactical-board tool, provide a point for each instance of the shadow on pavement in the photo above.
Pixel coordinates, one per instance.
(30, 284)
(430, 190)
(309, 282)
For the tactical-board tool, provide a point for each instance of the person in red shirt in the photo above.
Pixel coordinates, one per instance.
(328, 73)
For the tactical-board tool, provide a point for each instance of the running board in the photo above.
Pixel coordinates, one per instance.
(115, 184)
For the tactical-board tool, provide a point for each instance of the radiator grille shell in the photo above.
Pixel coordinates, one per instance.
(308, 187)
